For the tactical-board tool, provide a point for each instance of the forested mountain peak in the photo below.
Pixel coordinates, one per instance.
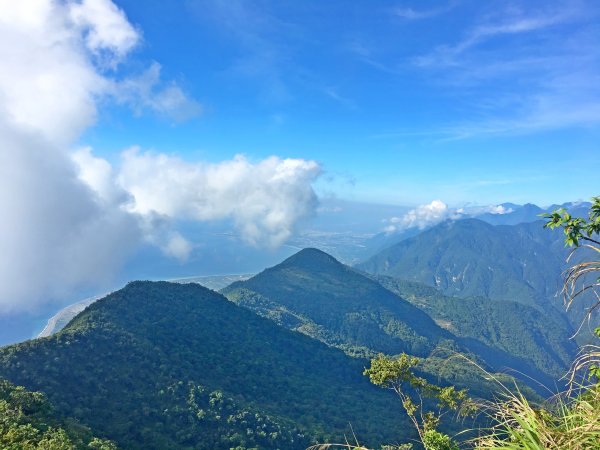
(312, 259)
(313, 293)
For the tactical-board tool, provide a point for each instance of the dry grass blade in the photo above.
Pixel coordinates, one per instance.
(564, 423)
(589, 355)
(577, 283)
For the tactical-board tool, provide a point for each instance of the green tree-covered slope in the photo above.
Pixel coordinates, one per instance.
(169, 366)
(313, 293)
(517, 329)
(28, 422)
(520, 263)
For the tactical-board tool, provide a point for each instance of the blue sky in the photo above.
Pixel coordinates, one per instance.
(401, 102)
(131, 126)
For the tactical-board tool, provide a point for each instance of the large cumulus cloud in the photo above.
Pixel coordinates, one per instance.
(68, 218)
(265, 199)
(55, 233)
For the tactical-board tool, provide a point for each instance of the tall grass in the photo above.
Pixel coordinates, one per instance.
(563, 423)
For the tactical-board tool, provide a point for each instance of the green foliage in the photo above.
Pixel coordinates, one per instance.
(434, 440)
(398, 374)
(203, 417)
(100, 444)
(28, 422)
(594, 368)
(391, 373)
(582, 278)
(576, 228)
(168, 366)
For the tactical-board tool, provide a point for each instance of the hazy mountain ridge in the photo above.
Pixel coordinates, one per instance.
(512, 214)
(346, 230)
(469, 257)
(521, 263)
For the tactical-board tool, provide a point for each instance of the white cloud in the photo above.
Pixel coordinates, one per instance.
(98, 175)
(474, 211)
(421, 217)
(47, 83)
(54, 233)
(428, 215)
(69, 219)
(265, 200)
(500, 210)
(148, 92)
(108, 33)
(177, 247)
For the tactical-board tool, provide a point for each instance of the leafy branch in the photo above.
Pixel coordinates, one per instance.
(576, 228)
(396, 373)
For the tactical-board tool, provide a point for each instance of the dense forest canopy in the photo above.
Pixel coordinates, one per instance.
(163, 365)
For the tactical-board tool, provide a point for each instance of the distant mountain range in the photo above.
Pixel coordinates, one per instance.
(346, 230)
(512, 214)
(520, 263)
(160, 365)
